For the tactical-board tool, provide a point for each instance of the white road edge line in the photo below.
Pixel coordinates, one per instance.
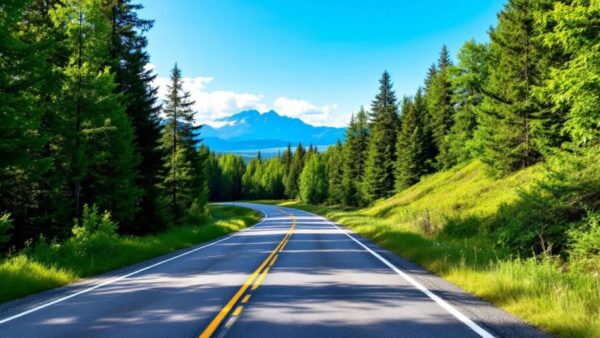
(116, 279)
(452, 310)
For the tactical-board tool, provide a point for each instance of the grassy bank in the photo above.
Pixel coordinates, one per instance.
(47, 266)
(443, 224)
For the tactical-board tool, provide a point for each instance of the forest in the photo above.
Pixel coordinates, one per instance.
(84, 135)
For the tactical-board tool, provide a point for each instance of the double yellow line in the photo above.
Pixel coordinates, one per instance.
(260, 272)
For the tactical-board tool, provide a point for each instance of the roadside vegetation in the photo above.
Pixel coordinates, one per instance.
(471, 229)
(95, 247)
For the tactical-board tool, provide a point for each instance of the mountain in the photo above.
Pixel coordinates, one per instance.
(252, 131)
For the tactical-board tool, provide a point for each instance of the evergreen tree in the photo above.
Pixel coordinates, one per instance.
(286, 159)
(96, 134)
(381, 156)
(439, 104)
(184, 180)
(354, 158)
(313, 180)
(213, 173)
(468, 79)
(509, 110)
(575, 85)
(335, 173)
(272, 179)
(291, 181)
(251, 181)
(129, 60)
(410, 163)
(232, 171)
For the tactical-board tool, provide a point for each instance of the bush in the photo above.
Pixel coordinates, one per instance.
(93, 233)
(5, 230)
(585, 244)
(554, 205)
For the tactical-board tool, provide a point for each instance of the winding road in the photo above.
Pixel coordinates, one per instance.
(294, 274)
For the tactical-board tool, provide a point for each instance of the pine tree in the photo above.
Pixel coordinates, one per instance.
(354, 158)
(381, 156)
(129, 60)
(313, 180)
(509, 110)
(468, 79)
(439, 104)
(574, 85)
(213, 174)
(184, 181)
(335, 173)
(232, 171)
(410, 164)
(96, 132)
(291, 181)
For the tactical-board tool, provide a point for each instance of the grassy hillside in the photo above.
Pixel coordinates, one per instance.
(46, 266)
(448, 224)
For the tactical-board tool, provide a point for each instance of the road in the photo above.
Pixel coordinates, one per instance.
(294, 274)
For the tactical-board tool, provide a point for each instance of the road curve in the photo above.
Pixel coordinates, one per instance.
(294, 274)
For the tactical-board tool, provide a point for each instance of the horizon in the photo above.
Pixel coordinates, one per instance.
(327, 58)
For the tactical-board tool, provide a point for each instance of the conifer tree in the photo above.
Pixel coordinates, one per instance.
(184, 181)
(129, 60)
(381, 157)
(354, 158)
(468, 79)
(410, 164)
(291, 181)
(335, 173)
(439, 104)
(97, 137)
(313, 180)
(510, 109)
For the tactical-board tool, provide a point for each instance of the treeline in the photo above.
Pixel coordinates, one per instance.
(531, 92)
(80, 125)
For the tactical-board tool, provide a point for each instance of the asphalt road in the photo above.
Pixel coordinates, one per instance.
(294, 274)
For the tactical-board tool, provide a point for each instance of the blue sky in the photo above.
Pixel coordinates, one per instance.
(317, 60)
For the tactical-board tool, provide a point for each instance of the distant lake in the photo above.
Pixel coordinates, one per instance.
(248, 154)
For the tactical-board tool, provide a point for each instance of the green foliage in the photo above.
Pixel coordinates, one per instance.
(293, 176)
(313, 180)
(335, 173)
(44, 266)
(6, 228)
(575, 83)
(410, 165)
(468, 78)
(439, 105)
(381, 154)
(94, 233)
(354, 155)
(584, 244)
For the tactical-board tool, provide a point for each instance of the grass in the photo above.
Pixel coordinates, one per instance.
(49, 266)
(441, 224)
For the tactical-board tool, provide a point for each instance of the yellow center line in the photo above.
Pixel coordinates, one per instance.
(245, 300)
(214, 324)
(273, 260)
(237, 311)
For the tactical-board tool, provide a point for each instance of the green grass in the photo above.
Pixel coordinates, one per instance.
(49, 266)
(441, 224)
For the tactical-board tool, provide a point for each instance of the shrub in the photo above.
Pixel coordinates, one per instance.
(5, 230)
(93, 233)
(585, 244)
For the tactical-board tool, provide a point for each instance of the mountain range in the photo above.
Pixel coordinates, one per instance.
(250, 131)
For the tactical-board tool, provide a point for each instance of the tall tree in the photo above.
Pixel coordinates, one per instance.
(97, 137)
(510, 110)
(129, 60)
(575, 85)
(335, 173)
(439, 104)
(291, 181)
(410, 164)
(354, 158)
(313, 180)
(469, 76)
(381, 156)
(183, 179)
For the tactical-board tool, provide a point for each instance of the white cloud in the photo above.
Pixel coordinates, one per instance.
(213, 105)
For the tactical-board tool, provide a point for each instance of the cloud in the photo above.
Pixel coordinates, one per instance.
(213, 105)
